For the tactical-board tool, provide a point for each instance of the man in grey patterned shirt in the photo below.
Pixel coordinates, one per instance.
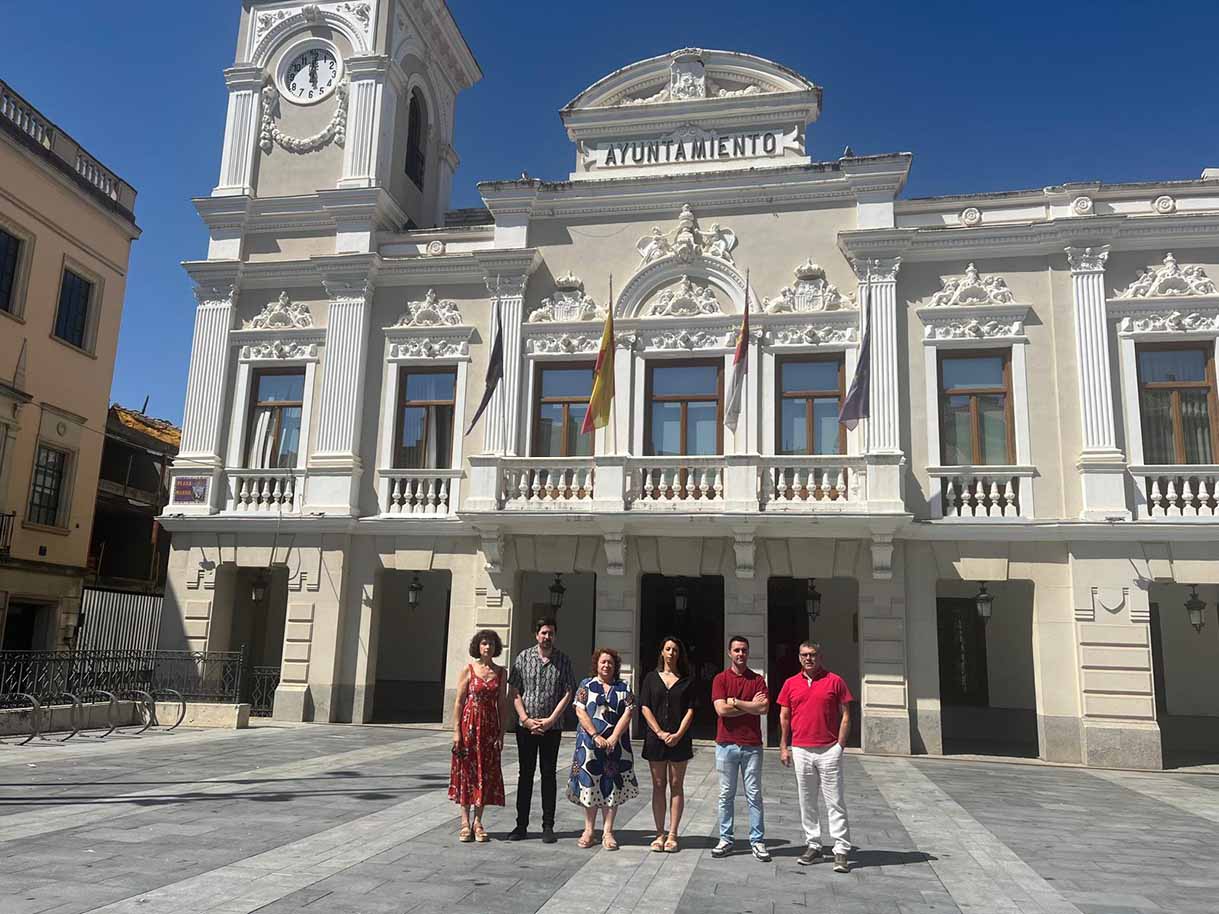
(542, 685)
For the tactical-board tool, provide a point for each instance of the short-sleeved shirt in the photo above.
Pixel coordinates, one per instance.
(744, 729)
(668, 705)
(816, 707)
(541, 682)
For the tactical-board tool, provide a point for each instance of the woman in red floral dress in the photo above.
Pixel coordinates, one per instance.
(475, 779)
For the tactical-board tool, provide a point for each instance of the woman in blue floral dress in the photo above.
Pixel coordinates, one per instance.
(603, 768)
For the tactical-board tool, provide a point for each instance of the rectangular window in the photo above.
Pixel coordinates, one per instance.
(1177, 404)
(685, 409)
(562, 401)
(275, 419)
(810, 395)
(976, 426)
(72, 319)
(46, 491)
(426, 415)
(10, 259)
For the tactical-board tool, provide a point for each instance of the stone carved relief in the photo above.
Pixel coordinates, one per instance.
(357, 14)
(1169, 280)
(1164, 205)
(425, 347)
(973, 329)
(877, 269)
(281, 313)
(810, 292)
(807, 335)
(562, 344)
(569, 303)
(973, 289)
(1082, 206)
(971, 216)
(278, 349)
(430, 312)
(680, 338)
(687, 241)
(1171, 322)
(1088, 260)
(218, 294)
(688, 80)
(686, 299)
(269, 133)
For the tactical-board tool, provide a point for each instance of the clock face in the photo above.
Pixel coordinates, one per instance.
(311, 75)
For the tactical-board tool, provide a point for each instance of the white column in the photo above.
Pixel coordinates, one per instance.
(504, 414)
(335, 465)
(364, 103)
(1102, 466)
(203, 417)
(884, 423)
(447, 162)
(240, 132)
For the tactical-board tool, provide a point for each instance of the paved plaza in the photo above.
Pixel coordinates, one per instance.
(311, 818)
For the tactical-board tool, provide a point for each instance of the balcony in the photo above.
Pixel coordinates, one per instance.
(7, 522)
(1166, 492)
(982, 493)
(417, 493)
(546, 483)
(269, 492)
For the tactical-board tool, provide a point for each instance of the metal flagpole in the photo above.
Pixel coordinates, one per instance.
(614, 375)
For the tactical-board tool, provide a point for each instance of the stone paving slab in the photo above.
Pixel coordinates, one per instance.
(355, 820)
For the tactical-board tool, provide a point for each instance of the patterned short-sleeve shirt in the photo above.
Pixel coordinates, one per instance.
(541, 683)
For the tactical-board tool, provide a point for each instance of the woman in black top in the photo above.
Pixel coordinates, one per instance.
(667, 704)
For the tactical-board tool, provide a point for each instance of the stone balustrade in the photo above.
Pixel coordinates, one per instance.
(417, 492)
(546, 483)
(1174, 492)
(985, 492)
(279, 491)
(797, 483)
(676, 483)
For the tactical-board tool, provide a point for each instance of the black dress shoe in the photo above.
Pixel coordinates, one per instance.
(518, 834)
(548, 835)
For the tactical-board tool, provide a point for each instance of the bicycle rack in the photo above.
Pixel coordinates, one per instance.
(176, 696)
(35, 708)
(140, 697)
(113, 706)
(76, 717)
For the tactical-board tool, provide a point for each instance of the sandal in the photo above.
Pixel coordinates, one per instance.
(480, 835)
(658, 845)
(671, 844)
(585, 840)
(608, 842)
(465, 836)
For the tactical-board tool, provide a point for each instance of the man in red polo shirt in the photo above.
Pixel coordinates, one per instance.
(741, 700)
(814, 718)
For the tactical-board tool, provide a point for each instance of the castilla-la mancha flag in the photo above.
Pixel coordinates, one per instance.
(740, 367)
(598, 412)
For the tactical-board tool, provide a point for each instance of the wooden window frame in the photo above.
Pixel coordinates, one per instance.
(539, 400)
(86, 315)
(975, 428)
(809, 397)
(278, 406)
(404, 373)
(650, 398)
(59, 521)
(1207, 348)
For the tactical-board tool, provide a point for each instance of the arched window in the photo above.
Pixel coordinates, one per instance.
(416, 139)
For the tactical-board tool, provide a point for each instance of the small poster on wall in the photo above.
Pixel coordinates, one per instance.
(191, 490)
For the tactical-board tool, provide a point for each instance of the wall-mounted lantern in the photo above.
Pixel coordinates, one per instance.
(1196, 609)
(557, 592)
(812, 601)
(983, 603)
(414, 592)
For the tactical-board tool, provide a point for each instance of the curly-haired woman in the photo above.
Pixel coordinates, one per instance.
(475, 778)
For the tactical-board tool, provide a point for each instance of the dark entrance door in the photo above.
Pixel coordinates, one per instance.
(26, 627)
(700, 627)
(787, 626)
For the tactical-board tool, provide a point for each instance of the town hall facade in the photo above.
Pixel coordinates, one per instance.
(1014, 552)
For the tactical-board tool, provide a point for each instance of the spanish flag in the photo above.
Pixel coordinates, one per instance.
(598, 413)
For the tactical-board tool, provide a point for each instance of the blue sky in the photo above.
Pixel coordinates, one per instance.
(986, 96)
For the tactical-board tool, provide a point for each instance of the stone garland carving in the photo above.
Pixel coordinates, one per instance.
(810, 292)
(687, 241)
(562, 344)
(973, 329)
(283, 313)
(569, 303)
(804, 335)
(358, 12)
(269, 133)
(279, 349)
(680, 338)
(688, 80)
(1169, 280)
(430, 312)
(1171, 322)
(686, 299)
(973, 289)
(425, 347)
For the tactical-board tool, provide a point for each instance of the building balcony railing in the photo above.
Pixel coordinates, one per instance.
(7, 523)
(1166, 492)
(428, 493)
(279, 491)
(813, 483)
(546, 483)
(982, 492)
(676, 483)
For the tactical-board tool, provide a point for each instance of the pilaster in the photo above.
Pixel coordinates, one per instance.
(240, 132)
(365, 103)
(878, 297)
(503, 421)
(885, 704)
(1102, 466)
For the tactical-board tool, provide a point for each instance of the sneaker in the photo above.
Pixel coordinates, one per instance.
(722, 849)
(518, 834)
(760, 851)
(548, 835)
(841, 865)
(810, 856)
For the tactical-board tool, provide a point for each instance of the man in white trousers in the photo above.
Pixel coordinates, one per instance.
(814, 720)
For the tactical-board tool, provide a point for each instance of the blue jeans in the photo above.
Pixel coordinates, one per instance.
(729, 759)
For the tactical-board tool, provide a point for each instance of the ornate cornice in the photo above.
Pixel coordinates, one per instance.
(809, 335)
(689, 338)
(1169, 280)
(1171, 322)
(353, 17)
(277, 350)
(563, 343)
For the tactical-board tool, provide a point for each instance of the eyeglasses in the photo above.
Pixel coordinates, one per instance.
(807, 656)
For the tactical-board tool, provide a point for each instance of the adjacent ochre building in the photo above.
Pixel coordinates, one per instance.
(66, 228)
(1001, 556)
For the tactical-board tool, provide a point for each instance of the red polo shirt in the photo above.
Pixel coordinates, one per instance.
(744, 729)
(816, 707)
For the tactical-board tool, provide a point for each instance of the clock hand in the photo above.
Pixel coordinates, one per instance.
(313, 73)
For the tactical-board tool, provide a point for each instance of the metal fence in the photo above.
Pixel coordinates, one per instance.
(208, 676)
(264, 680)
(116, 620)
